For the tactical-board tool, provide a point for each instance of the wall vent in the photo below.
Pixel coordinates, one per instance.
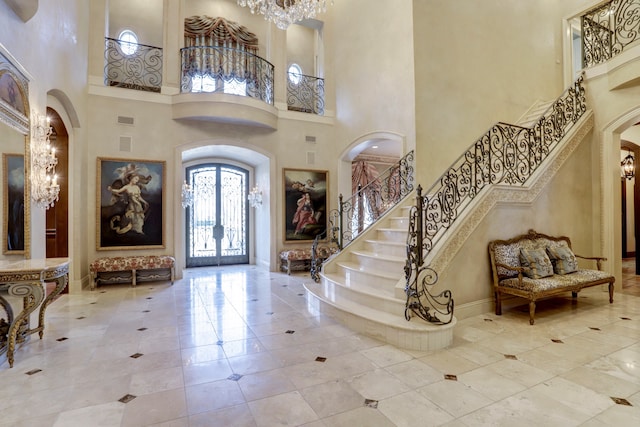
(311, 157)
(125, 143)
(310, 139)
(125, 120)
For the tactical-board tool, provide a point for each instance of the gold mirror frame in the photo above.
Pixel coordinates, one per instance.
(14, 113)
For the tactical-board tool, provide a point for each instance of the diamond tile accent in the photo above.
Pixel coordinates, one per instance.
(450, 377)
(510, 356)
(136, 355)
(219, 342)
(488, 320)
(557, 341)
(625, 318)
(370, 403)
(321, 359)
(234, 377)
(127, 398)
(289, 332)
(142, 329)
(146, 311)
(621, 401)
(62, 339)
(33, 371)
(594, 329)
(80, 318)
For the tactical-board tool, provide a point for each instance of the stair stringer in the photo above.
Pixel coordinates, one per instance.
(358, 306)
(452, 241)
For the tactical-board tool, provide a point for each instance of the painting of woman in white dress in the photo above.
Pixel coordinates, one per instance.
(131, 207)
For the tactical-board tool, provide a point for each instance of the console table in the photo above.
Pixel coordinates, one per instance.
(26, 278)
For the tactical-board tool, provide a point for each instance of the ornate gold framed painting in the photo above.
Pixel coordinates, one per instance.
(14, 138)
(13, 204)
(305, 203)
(130, 204)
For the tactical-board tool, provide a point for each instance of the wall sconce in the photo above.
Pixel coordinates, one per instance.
(628, 166)
(255, 197)
(44, 181)
(187, 195)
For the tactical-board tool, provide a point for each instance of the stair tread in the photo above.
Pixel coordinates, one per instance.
(373, 272)
(360, 287)
(376, 255)
(385, 242)
(386, 318)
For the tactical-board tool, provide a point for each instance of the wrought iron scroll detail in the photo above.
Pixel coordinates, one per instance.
(357, 213)
(305, 94)
(371, 202)
(506, 154)
(141, 70)
(608, 29)
(226, 70)
(420, 279)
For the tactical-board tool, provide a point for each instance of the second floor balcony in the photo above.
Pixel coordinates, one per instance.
(236, 78)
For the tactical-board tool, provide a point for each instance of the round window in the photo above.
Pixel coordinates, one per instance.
(295, 73)
(128, 42)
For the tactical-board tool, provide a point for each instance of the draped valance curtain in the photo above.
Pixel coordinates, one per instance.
(207, 31)
(220, 49)
(374, 192)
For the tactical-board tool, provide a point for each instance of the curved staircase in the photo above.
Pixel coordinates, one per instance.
(363, 287)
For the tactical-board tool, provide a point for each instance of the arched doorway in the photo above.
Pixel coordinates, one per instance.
(57, 217)
(217, 222)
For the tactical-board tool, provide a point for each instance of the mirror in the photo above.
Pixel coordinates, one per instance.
(14, 140)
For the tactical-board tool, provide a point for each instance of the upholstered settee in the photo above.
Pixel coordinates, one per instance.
(131, 269)
(300, 259)
(535, 266)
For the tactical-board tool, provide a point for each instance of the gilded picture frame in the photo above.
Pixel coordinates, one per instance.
(13, 219)
(305, 203)
(15, 135)
(130, 204)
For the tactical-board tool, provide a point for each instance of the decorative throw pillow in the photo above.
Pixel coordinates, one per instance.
(536, 263)
(562, 259)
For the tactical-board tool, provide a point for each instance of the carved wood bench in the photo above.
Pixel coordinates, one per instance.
(535, 266)
(131, 269)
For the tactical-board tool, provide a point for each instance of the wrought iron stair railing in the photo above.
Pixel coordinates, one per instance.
(505, 154)
(364, 208)
(608, 29)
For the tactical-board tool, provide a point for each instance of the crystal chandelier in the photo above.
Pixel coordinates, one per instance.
(44, 181)
(187, 195)
(255, 197)
(285, 12)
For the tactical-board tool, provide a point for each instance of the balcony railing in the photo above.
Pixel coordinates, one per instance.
(132, 65)
(305, 93)
(226, 70)
(608, 30)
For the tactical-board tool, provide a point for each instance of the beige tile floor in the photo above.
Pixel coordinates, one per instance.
(236, 346)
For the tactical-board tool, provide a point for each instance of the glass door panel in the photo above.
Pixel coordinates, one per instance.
(217, 229)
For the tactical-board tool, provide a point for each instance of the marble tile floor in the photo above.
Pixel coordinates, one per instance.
(239, 346)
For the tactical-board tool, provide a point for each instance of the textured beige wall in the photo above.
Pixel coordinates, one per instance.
(52, 49)
(563, 207)
(370, 52)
